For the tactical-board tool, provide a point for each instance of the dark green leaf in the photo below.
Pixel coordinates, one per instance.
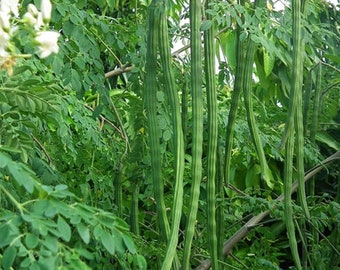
(3, 98)
(31, 240)
(8, 257)
(26, 262)
(75, 80)
(5, 237)
(47, 261)
(51, 243)
(85, 253)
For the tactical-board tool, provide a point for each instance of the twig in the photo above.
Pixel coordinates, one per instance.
(329, 65)
(42, 148)
(103, 119)
(329, 88)
(118, 71)
(239, 261)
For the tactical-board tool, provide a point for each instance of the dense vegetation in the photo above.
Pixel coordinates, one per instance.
(121, 151)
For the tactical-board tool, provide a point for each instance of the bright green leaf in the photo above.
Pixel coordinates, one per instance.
(4, 160)
(328, 140)
(21, 176)
(139, 262)
(129, 243)
(118, 240)
(64, 229)
(268, 62)
(108, 242)
(84, 232)
(228, 47)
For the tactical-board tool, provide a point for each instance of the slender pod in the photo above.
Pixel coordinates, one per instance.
(209, 57)
(316, 104)
(315, 115)
(118, 190)
(297, 88)
(197, 125)
(248, 100)
(297, 64)
(220, 203)
(255, 220)
(234, 106)
(184, 110)
(150, 99)
(134, 210)
(173, 99)
(288, 204)
(306, 99)
(292, 120)
(299, 150)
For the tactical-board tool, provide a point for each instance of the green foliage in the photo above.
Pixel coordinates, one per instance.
(75, 167)
(51, 141)
(40, 231)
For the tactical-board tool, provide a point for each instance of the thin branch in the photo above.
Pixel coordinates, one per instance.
(42, 148)
(127, 68)
(243, 231)
(239, 261)
(331, 66)
(329, 88)
(118, 71)
(103, 119)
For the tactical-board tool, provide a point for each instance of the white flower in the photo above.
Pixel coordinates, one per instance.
(30, 19)
(32, 9)
(3, 54)
(5, 21)
(33, 17)
(4, 41)
(48, 43)
(9, 6)
(46, 9)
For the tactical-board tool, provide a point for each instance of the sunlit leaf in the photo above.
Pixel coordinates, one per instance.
(140, 262)
(64, 229)
(108, 242)
(84, 232)
(129, 243)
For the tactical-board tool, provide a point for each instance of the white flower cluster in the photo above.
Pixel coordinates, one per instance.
(7, 8)
(47, 41)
